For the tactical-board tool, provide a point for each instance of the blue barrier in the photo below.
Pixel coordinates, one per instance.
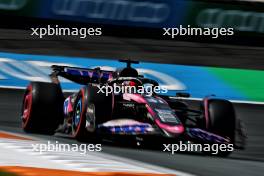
(147, 13)
(16, 70)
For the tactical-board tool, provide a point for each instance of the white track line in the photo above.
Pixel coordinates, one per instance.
(15, 152)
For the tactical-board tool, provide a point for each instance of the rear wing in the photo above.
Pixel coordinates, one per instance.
(82, 75)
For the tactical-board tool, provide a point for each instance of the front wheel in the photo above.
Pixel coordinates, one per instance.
(220, 119)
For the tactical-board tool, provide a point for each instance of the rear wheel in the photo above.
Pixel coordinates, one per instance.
(91, 108)
(42, 108)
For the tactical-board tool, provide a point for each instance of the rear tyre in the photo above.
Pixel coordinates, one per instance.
(221, 120)
(42, 108)
(90, 109)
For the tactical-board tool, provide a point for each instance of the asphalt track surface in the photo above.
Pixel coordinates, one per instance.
(247, 162)
(243, 163)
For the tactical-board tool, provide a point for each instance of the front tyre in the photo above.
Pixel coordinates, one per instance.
(221, 120)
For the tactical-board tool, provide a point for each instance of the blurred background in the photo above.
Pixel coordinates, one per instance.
(230, 66)
(245, 16)
(133, 29)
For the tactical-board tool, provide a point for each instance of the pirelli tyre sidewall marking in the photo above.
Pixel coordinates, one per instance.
(27, 106)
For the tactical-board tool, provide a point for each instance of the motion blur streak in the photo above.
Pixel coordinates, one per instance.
(240, 20)
(25, 171)
(113, 10)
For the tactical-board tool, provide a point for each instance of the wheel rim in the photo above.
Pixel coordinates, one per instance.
(77, 115)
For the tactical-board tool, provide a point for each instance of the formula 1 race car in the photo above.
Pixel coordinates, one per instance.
(91, 113)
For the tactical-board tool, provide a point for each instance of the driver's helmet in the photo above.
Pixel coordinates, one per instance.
(128, 72)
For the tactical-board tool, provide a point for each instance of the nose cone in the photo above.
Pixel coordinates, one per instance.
(173, 129)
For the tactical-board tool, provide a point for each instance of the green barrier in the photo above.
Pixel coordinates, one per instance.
(248, 82)
(19, 7)
(244, 17)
